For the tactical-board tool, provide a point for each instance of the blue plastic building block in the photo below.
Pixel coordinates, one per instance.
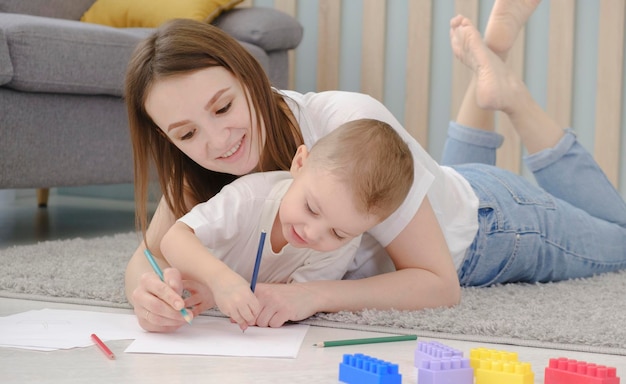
(429, 350)
(447, 370)
(363, 369)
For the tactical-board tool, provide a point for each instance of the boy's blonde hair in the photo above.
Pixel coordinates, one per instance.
(372, 159)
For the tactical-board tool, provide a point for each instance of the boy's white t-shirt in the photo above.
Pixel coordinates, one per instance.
(230, 225)
(452, 198)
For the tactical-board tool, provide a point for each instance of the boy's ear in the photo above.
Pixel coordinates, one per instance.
(299, 159)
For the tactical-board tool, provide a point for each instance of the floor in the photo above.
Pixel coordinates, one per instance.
(22, 222)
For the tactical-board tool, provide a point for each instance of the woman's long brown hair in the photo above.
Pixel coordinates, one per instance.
(184, 46)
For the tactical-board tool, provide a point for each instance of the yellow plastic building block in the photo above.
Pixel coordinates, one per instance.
(497, 367)
(478, 354)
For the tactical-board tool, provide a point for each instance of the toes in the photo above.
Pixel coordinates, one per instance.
(456, 21)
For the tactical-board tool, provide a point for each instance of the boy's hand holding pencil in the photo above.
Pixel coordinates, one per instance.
(234, 298)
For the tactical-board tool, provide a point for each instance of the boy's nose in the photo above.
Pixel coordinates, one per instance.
(312, 233)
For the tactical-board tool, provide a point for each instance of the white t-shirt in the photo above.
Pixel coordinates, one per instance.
(452, 198)
(230, 225)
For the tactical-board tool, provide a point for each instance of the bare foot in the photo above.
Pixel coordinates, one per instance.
(506, 20)
(495, 83)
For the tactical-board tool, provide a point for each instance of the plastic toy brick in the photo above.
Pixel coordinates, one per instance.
(492, 366)
(502, 371)
(478, 354)
(567, 371)
(429, 350)
(363, 369)
(447, 370)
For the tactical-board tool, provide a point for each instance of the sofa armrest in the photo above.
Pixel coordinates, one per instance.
(267, 28)
(58, 9)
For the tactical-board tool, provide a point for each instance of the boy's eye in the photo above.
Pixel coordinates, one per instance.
(224, 109)
(337, 235)
(308, 208)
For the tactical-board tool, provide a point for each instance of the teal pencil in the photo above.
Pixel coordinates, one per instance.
(158, 271)
(369, 340)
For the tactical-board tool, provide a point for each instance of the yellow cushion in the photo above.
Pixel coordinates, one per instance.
(152, 13)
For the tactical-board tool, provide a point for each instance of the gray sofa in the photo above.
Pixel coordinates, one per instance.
(62, 118)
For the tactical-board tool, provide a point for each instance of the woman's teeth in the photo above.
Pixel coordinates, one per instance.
(232, 150)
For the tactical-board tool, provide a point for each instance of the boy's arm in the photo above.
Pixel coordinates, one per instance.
(232, 294)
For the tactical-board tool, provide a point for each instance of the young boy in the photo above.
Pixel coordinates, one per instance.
(351, 180)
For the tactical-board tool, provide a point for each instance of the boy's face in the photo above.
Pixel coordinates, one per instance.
(318, 211)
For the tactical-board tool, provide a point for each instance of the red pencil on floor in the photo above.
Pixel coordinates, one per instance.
(102, 346)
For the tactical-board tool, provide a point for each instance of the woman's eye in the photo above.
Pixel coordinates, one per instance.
(188, 135)
(224, 109)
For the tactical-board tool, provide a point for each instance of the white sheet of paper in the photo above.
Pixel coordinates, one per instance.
(41, 349)
(49, 329)
(219, 337)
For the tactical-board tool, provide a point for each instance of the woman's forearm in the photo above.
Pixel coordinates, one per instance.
(138, 265)
(407, 289)
(131, 277)
(425, 275)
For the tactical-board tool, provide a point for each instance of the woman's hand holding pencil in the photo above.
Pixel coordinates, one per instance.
(183, 311)
(161, 312)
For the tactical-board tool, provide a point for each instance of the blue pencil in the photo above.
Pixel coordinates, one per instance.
(158, 271)
(257, 262)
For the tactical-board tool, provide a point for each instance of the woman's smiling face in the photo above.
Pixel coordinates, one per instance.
(205, 114)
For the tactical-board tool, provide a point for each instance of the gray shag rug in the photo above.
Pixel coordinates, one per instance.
(581, 315)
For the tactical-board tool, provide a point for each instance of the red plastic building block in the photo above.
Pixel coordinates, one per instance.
(363, 369)
(567, 371)
(452, 370)
(429, 350)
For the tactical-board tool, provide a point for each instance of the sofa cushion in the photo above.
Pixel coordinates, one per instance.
(152, 13)
(60, 9)
(65, 56)
(269, 28)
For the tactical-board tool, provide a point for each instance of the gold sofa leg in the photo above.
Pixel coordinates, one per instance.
(42, 197)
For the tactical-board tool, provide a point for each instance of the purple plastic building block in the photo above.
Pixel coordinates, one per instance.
(363, 369)
(429, 350)
(448, 370)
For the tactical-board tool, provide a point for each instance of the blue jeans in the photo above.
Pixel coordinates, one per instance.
(572, 225)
